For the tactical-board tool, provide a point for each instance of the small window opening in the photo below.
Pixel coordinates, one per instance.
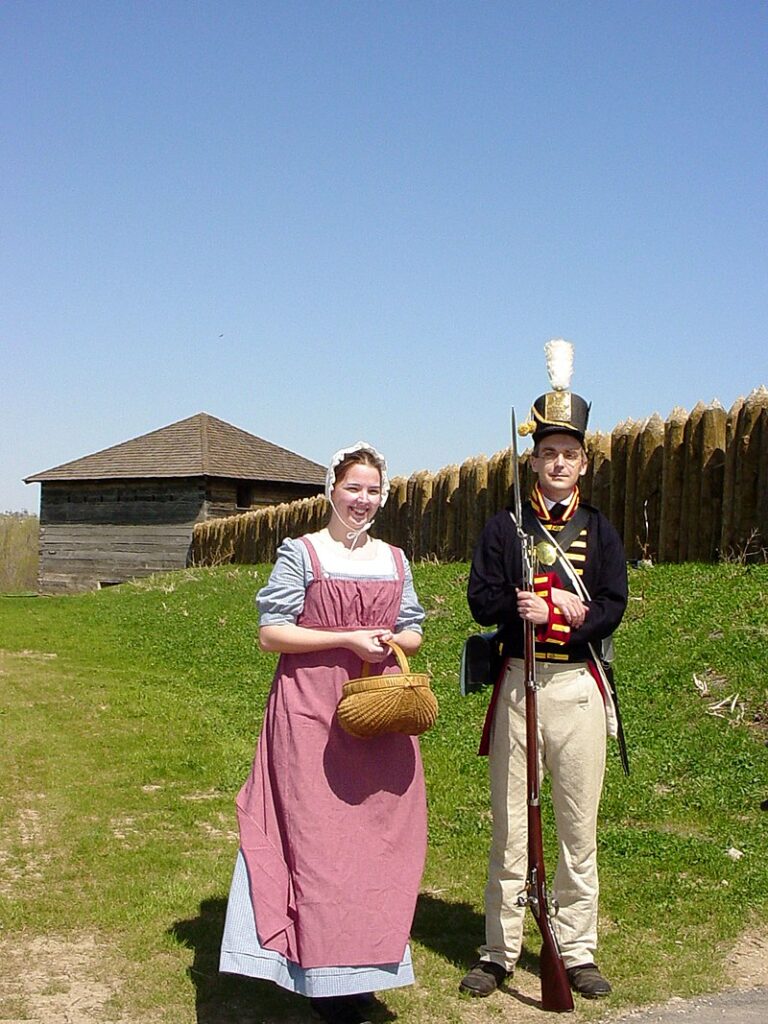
(244, 496)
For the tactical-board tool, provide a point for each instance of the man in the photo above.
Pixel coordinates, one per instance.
(574, 703)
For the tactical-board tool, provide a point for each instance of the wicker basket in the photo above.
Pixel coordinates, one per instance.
(402, 703)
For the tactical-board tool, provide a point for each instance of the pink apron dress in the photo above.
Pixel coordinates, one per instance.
(333, 828)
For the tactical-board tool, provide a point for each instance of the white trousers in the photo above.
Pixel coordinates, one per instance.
(572, 749)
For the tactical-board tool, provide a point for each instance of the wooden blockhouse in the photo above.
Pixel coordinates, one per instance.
(129, 510)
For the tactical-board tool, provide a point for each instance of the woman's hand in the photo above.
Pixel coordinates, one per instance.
(573, 608)
(369, 644)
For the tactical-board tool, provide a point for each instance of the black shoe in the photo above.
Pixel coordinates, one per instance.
(587, 980)
(483, 978)
(338, 1010)
(364, 1000)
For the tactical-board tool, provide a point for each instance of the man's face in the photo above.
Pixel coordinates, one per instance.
(558, 463)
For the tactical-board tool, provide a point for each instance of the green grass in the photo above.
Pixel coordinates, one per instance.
(128, 719)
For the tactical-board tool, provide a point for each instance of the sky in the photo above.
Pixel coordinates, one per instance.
(333, 221)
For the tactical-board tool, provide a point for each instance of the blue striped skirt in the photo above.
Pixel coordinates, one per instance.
(242, 953)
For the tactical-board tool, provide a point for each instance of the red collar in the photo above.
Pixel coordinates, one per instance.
(542, 512)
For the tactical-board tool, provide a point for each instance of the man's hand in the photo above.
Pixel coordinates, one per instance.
(532, 608)
(573, 608)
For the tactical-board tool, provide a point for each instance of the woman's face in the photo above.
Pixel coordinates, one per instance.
(357, 495)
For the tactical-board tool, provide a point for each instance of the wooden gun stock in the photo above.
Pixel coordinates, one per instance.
(555, 988)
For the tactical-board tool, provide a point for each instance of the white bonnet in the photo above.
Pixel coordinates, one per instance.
(342, 453)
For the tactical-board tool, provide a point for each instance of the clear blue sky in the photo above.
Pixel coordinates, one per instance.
(331, 221)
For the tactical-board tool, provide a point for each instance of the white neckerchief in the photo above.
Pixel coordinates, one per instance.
(560, 501)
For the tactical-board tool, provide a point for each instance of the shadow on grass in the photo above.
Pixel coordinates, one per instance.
(229, 998)
(454, 931)
(451, 930)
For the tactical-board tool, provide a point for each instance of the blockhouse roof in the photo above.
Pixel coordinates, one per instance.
(200, 445)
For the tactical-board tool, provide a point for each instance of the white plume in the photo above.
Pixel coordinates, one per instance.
(559, 355)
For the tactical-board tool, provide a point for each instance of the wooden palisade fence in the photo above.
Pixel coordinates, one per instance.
(693, 488)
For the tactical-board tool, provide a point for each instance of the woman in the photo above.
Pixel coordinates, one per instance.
(332, 828)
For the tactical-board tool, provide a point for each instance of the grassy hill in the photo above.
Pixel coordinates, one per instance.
(128, 720)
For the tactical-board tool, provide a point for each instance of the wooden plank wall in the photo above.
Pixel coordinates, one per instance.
(94, 533)
(79, 556)
(221, 495)
(129, 502)
(106, 531)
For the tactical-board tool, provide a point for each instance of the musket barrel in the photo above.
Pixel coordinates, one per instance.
(555, 988)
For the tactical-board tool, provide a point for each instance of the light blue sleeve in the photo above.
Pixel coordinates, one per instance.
(281, 601)
(411, 613)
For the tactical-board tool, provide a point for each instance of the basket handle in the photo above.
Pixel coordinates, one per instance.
(399, 653)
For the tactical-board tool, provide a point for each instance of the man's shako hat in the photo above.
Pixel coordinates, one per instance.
(559, 411)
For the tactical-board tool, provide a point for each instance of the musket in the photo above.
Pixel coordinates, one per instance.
(555, 988)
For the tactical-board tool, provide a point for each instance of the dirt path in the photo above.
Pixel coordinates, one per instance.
(729, 1008)
(746, 1002)
(57, 981)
